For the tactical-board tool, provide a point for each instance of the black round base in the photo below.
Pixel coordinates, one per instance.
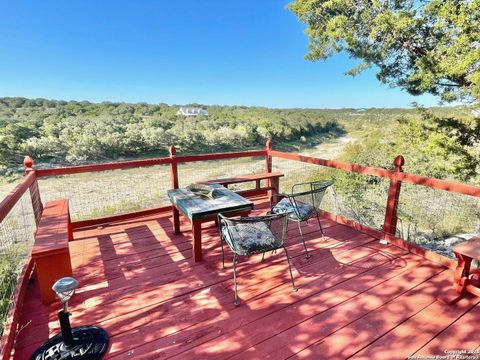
(90, 343)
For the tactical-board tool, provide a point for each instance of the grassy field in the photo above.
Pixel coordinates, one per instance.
(112, 192)
(132, 189)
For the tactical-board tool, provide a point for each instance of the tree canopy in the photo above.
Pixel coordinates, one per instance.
(422, 46)
(77, 132)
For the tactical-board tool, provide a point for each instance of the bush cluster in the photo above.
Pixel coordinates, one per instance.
(82, 131)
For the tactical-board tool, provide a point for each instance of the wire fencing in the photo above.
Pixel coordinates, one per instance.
(195, 171)
(16, 240)
(361, 198)
(109, 192)
(436, 219)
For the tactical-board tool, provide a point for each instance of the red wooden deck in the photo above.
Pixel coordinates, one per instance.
(356, 298)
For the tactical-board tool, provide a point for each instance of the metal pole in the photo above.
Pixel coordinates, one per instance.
(65, 327)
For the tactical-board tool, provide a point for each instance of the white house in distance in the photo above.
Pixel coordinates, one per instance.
(192, 111)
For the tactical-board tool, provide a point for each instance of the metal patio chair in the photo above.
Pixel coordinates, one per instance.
(302, 204)
(253, 235)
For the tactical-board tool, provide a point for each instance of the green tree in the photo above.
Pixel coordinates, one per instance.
(422, 46)
(441, 146)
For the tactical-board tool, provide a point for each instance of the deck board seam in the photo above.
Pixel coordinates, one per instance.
(405, 320)
(300, 299)
(353, 297)
(448, 326)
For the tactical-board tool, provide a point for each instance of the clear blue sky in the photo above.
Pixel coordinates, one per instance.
(248, 52)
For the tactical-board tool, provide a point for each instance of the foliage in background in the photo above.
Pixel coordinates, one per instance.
(427, 46)
(82, 131)
(434, 146)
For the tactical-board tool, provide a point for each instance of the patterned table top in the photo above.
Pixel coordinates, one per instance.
(197, 207)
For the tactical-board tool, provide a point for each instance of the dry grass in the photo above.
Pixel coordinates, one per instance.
(111, 192)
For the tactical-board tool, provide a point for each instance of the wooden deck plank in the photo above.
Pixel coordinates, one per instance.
(263, 286)
(392, 284)
(299, 262)
(463, 331)
(190, 275)
(138, 281)
(408, 337)
(265, 304)
(361, 333)
(128, 302)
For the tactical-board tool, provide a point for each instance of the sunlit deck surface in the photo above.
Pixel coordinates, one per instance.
(356, 297)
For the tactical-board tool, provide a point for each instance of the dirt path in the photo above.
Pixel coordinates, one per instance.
(330, 149)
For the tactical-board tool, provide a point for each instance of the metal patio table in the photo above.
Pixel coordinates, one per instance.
(199, 209)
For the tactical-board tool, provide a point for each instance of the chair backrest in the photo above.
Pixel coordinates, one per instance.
(239, 228)
(314, 195)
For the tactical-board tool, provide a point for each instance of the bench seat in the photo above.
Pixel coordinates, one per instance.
(50, 251)
(244, 178)
(273, 180)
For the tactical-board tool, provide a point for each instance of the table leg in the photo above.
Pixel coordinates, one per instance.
(176, 220)
(275, 184)
(462, 272)
(197, 240)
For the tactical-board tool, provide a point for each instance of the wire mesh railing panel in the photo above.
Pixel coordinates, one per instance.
(436, 219)
(361, 198)
(36, 201)
(16, 240)
(294, 172)
(110, 192)
(195, 171)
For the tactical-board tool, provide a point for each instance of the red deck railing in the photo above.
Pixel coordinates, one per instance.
(396, 177)
(29, 183)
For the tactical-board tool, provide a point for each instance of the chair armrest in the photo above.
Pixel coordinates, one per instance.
(299, 184)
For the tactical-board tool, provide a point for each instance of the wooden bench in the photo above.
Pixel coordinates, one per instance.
(50, 251)
(466, 252)
(273, 179)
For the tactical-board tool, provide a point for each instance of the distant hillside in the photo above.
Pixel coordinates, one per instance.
(73, 132)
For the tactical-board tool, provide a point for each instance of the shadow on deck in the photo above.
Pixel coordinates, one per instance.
(356, 297)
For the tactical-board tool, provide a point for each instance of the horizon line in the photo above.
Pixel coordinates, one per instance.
(96, 102)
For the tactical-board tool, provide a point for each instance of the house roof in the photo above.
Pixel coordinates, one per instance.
(192, 111)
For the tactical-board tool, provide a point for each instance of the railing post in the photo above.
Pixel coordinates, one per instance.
(37, 205)
(271, 183)
(28, 164)
(174, 185)
(268, 157)
(390, 223)
(173, 168)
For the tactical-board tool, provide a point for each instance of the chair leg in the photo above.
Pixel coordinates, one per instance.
(307, 255)
(223, 252)
(263, 256)
(320, 224)
(294, 288)
(235, 279)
